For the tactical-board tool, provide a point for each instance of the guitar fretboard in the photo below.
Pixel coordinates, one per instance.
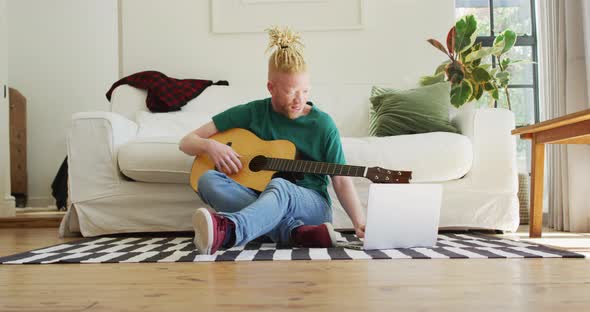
(308, 166)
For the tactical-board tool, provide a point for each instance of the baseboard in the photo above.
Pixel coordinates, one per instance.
(7, 207)
(36, 209)
(41, 201)
(32, 220)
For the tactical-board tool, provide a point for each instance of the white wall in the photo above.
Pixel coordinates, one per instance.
(6, 201)
(586, 22)
(174, 37)
(62, 56)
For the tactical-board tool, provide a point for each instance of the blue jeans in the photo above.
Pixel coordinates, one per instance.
(280, 208)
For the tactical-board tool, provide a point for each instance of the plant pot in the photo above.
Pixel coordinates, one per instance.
(524, 196)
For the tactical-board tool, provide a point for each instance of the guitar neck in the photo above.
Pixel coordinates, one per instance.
(316, 167)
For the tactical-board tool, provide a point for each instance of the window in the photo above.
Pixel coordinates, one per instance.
(493, 17)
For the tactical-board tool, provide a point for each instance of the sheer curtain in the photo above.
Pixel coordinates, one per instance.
(564, 65)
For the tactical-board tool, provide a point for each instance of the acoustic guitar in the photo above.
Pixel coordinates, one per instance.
(261, 160)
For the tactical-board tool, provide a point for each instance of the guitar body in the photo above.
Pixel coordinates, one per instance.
(247, 145)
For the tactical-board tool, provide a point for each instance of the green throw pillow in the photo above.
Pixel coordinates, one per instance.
(420, 110)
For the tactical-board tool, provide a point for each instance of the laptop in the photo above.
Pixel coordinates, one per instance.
(402, 216)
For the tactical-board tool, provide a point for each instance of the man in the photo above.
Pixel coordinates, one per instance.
(297, 214)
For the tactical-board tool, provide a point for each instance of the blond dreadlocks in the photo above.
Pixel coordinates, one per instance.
(288, 56)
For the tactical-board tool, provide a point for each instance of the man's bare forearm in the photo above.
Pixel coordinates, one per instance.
(192, 144)
(197, 142)
(348, 197)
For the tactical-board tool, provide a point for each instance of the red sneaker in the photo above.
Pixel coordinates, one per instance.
(314, 236)
(210, 230)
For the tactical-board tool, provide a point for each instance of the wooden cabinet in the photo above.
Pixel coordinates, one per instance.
(18, 146)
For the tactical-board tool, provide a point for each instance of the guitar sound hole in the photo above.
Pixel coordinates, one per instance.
(257, 163)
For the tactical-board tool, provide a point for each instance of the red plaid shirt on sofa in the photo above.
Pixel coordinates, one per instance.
(165, 94)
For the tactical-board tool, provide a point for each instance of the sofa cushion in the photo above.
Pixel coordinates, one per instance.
(433, 157)
(155, 159)
(174, 124)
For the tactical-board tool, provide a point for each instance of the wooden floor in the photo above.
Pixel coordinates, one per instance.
(379, 285)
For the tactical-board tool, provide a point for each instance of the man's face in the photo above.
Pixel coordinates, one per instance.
(289, 93)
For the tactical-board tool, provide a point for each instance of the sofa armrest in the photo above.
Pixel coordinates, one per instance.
(494, 148)
(93, 143)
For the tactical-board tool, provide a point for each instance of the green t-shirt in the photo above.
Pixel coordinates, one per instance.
(315, 135)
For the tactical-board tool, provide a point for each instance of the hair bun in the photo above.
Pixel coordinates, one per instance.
(288, 55)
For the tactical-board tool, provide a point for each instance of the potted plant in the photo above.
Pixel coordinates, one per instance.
(468, 74)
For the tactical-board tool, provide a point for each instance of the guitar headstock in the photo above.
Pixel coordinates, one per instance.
(381, 175)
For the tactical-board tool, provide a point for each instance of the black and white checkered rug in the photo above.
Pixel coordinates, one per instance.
(181, 249)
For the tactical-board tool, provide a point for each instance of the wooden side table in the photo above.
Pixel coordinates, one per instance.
(569, 129)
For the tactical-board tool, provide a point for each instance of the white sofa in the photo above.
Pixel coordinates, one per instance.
(127, 174)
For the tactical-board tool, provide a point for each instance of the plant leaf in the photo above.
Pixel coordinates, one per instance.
(503, 78)
(451, 41)
(510, 39)
(516, 62)
(478, 92)
(479, 54)
(465, 33)
(472, 49)
(498, 45)
(428, 80)
(481, 75)
(504, 42)
(472, 97)
(494, 93)
(439, 46)
(455, 72)
(441, 67)
(505, 63)
(497, 49)
(460, 93)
